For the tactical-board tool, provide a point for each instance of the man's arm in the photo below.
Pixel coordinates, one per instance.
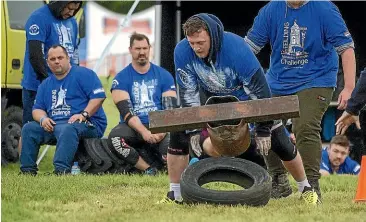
(337, 34)
(358, 98)
(45, 122)
(94, 105)
(354, 105)
(349, 70)
(258, 88)
(38, 114)
(258, 36)
(186, 77)
(324, 172)
(121, 96)
(91, 108)
(169, 101)
(36, 59)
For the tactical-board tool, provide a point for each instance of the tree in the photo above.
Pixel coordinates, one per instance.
(123, 7)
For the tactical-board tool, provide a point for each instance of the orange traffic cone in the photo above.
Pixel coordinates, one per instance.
(361, 188)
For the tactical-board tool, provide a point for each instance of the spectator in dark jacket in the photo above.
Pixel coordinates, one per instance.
(354, 106)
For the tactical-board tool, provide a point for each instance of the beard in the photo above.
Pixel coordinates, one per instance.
(142, 60)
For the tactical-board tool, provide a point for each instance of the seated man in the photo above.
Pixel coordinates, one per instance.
(139, 88)
(68, 108)
(335, 159)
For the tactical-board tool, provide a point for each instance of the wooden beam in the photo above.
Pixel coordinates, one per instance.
(189, 118)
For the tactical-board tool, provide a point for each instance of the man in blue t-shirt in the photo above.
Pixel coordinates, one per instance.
(68, 108)
(335, 159)
(218, 66)
(139, 88)
(306, 38)
(52, 24)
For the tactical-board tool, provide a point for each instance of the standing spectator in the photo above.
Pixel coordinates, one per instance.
(138, 89)
(354, 107)
(306, 38)
(68, 107)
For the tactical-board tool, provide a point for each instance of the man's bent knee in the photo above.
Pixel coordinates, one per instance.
(119, 146)
(281, 144)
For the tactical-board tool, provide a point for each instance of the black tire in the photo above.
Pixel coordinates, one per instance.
(91, 150)
(82, 158)
(95, 149)
(11, 125)
(251, 176)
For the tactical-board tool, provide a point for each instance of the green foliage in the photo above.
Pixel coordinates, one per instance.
(123, 7)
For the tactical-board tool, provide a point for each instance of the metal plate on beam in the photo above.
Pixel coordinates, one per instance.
(189, 118)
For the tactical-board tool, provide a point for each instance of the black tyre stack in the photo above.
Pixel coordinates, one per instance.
(95, 157)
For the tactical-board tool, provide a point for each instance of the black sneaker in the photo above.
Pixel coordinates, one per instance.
(280, 186)
(169, 199)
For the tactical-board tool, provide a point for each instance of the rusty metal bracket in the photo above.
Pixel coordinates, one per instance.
(189, 118)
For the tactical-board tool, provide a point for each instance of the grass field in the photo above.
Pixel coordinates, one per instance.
(133, 198)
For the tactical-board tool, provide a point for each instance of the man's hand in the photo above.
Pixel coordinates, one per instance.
(159, 137)
(263, 144)
(345, 121)
(76, 117)
(47, 124)
(148, 137)
(343, 98)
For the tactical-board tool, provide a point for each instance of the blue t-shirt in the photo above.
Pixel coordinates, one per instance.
(61, 99)
(304, 44)
(348, 167)
(235, 64)
(44, 27)
(145, 90)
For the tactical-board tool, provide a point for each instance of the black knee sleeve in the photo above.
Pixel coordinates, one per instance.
(179, 143)
(281, 144)
(120, 148)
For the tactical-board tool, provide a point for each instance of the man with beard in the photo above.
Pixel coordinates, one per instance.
(335, 159)
(139, 88)
(67, 109)
(52, 24)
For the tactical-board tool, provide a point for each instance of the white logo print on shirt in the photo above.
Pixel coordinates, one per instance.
(143, 97)
(293, 54)
(59, 105)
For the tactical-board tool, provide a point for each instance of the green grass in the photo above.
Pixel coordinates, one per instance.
(132, 198)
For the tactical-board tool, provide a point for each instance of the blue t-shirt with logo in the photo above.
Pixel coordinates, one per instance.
(61, 99)
(44, 27)
(304, 42)
(348, 167)
(235, 65)
(145, 90)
